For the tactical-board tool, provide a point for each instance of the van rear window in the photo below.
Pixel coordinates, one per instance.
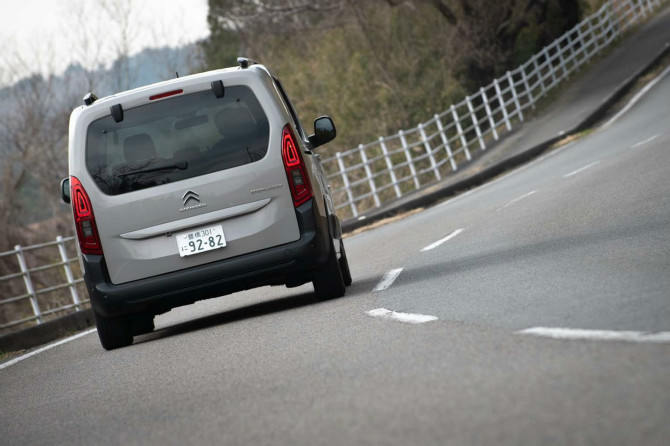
(175, 139)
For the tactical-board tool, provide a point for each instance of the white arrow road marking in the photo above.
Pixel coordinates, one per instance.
(641, 143)
(439, 242)
(45, 348)
(388, 279)
(575, 172)
(517, 199)
(598, 335)
(409, 318)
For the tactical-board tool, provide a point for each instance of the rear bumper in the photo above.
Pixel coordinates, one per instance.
(290, 263)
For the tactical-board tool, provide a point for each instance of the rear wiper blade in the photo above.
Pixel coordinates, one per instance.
(181, 165)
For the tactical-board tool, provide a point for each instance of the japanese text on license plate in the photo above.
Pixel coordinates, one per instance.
(200, 240)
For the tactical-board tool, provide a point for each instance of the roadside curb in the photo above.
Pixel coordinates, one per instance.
(423, 197)
(47, 332)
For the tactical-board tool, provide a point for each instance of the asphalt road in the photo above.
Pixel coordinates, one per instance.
(578, 239)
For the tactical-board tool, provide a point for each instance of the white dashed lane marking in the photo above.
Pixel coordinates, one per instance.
(439, 242)
(388, 279)
(409, 318)
(641, 143)
(598, 335)
(581, 169)
(509, 203)
(507, 175)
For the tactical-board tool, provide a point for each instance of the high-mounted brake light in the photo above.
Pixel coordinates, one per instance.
(166, 94)
(294, 165)
(84, 220)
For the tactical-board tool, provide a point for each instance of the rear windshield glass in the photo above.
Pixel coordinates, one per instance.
(175, 139)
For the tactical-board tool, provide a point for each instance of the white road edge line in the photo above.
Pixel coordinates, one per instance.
(439, 242)
(575, 172)
(409, 318)
(517, 199)
(598, 335)
(641, 143)
(388, 279)
(637, 97)
(45, 348)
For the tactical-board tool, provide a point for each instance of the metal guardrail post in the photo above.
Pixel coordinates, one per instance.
(540, 77)
(643, 9)
(445, 141)
(368, 173)
(29, 284)
(573, 52)
(429, 152)
(582, 43)
(561, 62)
(492, 122)
(594, 38)
(461, 135)
(389, 165)
(613, 22)
(650, 6)
(410, 162)
(345, 180)
(636, 16)
(604, 23)
(529, 93)
(514, 96)
(475, 123)
(68, 272)
(552, 71)
(501, 101)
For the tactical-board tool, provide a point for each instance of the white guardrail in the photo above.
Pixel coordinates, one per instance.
(372, 174)
(45, 300)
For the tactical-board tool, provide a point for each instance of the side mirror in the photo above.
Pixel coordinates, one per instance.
(324, 131)
(65, 190)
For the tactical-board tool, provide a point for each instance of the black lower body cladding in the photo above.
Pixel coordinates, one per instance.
(290, 263)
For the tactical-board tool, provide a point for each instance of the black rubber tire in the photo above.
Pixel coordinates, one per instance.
(344, 265)
(327, 280)
(114, 332)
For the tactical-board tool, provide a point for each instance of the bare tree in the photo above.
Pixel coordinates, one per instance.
(181, 57)
(33, 144)
(120, 17)
(86, 42)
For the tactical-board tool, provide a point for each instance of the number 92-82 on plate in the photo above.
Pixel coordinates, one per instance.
(200, 240)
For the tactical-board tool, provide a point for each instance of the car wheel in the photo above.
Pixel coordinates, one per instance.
(344, 265)
(114, 332)
(327, 280)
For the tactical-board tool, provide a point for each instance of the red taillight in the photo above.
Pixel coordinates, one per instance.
(84, 220)
(165, 95)
(298, 180)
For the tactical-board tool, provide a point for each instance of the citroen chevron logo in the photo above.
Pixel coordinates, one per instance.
(190, 195)
(194, 199)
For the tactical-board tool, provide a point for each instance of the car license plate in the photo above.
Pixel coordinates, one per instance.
(200, 240)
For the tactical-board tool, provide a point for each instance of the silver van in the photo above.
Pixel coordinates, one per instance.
(194, 188)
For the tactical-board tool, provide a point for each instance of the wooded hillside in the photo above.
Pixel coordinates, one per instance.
(380, 65)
